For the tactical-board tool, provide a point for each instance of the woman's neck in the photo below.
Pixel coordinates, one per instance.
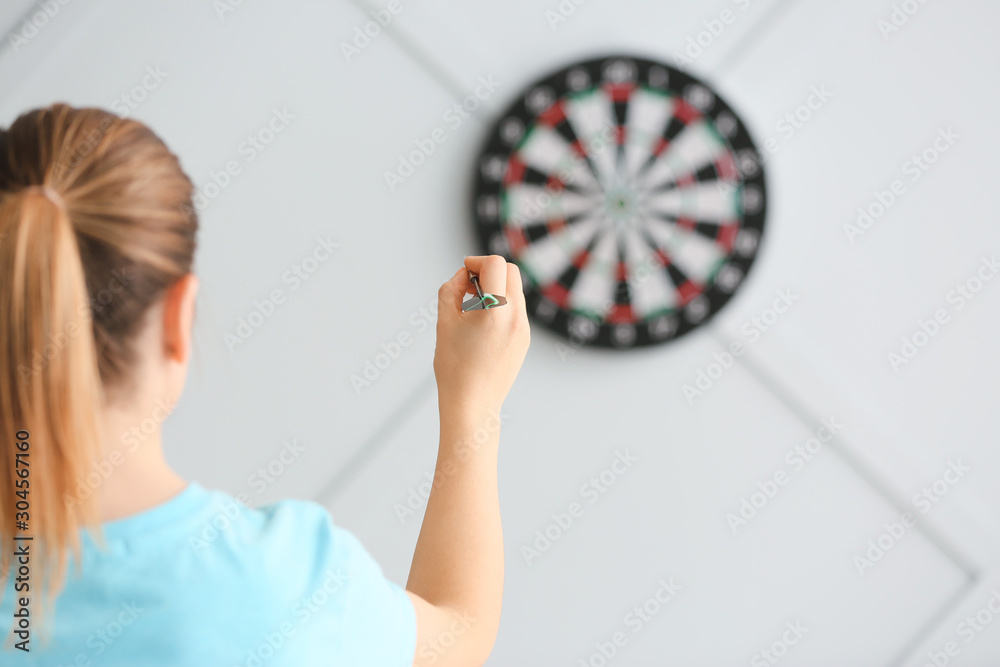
(132, 474)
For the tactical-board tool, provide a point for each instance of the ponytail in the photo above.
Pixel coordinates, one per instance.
(50, 390)
(91, 205)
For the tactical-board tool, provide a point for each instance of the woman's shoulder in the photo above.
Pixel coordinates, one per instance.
(295, 525)
(295, 556)
(214, 533)
(214, 543)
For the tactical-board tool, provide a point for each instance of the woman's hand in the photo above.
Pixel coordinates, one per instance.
(478, 356)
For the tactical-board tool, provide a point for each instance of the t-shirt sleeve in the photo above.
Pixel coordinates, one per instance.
(348, 606)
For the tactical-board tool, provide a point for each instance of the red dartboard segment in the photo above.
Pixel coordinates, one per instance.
(621, 271)
(515, 171)
(686, 113)
(678, 234)
(553, 116)
(725, 167)
(685, 181)
(727, 236)
(556, 226)
(686, 224)
(555, 184)
(516, 240)
(620, 92)
(557, 294)
(621, 314)
(688, 291)
(660, 146)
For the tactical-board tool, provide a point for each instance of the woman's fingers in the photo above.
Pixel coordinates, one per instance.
(492, 271)
(452, 293)
(515, 290)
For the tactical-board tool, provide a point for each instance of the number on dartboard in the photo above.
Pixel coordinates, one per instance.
(630, 195)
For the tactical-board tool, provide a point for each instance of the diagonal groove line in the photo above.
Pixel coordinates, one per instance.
(847, 455)
(418, 54)
(380, 439)
(934, 622)
(755, 34)
(874, 480)
(375, 443)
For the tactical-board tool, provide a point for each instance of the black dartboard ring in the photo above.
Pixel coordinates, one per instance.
(630, 195)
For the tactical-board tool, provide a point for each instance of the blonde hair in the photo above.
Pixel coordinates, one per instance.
(96, 222)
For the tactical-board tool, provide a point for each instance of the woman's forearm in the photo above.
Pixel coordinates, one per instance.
(458, 562)
(456, 580)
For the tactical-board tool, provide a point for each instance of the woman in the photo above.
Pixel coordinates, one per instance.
(97, 241)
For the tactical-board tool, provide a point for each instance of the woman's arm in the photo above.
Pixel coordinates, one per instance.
(456, 580)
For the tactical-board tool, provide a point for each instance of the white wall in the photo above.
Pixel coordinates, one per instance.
(223, 77)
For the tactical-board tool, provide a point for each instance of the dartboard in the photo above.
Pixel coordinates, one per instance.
(630, 195)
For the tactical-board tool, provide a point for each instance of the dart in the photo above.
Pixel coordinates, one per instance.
(482, 300)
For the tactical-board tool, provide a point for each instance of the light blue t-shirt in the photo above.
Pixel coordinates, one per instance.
(202, 580)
